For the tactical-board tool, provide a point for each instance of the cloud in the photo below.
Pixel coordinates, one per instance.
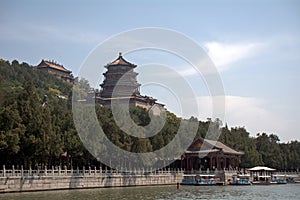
(224, 55)
(247, 112)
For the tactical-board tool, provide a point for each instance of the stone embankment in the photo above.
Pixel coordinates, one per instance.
(37, 180)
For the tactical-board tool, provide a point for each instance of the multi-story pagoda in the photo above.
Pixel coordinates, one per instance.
(120, 73)
(121, 84)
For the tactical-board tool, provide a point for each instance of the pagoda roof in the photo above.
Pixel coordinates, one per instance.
(53, 65)
(121, 61)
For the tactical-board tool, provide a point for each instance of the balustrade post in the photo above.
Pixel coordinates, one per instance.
(22, 171)
(77, 171)
(83, 170)
(13, 170)
(100, 170)
(4, 172)
(45, 170)
(66, 172)
(59, 170)
(30, 171)
(89, 170)
(52, 170)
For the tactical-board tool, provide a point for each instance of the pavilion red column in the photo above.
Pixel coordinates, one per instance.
(218, 162)
(187, 163)
(210, 161)
(236, 162)
(181, 159)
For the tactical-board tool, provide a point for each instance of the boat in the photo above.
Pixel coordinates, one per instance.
(293, 178)
(240, 179)
(278, 179)
(188, 179)
(261, 180)
(261, 175)
(199, 179)
(206, 179)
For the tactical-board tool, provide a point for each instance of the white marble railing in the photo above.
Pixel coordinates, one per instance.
(85, 172)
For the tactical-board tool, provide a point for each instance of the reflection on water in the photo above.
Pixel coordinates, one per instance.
(287, 192)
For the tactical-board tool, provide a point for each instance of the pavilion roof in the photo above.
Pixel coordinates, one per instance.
(53, 65)
(225, 148)
(201, 145)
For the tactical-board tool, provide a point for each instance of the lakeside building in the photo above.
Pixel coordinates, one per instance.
(120, 84)
(55, 69)
(206, 154)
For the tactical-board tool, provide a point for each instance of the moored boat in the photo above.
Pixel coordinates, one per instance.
(205, 180)
(188, 179)
(295, 178)
(261, 175)
(279, 179)
(199, 179)
(241, 179)
(262, 180)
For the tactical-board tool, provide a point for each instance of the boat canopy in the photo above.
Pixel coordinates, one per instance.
(264, 176)
(261, 168)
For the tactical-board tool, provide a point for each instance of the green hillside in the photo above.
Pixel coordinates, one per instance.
(39, 131)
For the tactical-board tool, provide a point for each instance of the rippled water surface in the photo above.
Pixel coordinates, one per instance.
(287, 192)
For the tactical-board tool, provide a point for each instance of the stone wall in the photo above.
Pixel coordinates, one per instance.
(36, 182)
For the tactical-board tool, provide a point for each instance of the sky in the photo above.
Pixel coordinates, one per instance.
(255, 45)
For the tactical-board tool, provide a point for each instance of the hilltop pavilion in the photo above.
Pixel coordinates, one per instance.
(57, 70)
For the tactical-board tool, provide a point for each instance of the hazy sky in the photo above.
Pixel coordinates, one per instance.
(254, 44)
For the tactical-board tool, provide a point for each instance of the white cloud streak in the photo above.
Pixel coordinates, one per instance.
(248, 112)
(224, 55)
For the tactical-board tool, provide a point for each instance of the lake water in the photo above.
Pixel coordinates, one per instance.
(286, 192)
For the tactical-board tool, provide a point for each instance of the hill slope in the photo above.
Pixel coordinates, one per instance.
(35, 130)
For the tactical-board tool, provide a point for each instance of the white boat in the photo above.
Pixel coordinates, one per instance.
(279, 179)
(241, 179)
(293, 178)
(199, 179)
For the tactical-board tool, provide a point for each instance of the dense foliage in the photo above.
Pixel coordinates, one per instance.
(38, 130)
